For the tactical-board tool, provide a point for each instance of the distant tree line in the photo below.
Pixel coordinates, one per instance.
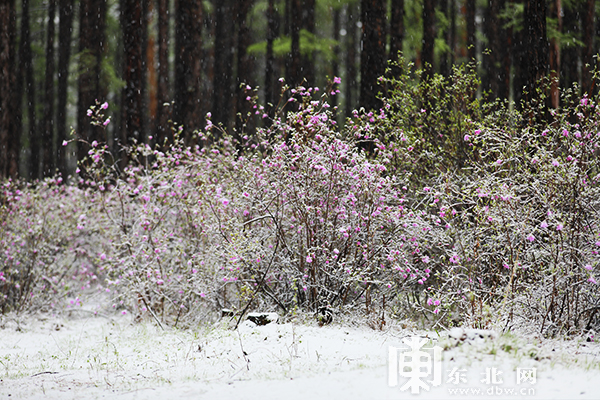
(165, 62)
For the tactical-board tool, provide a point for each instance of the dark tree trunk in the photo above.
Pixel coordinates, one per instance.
(92, 41)
(351, 44)
(245, 63)
(188, 67)
(445, 56)
(308, 24)
(396, 29)
(132, 120)
(26, 61)
(537, 44)
(428, 37)
(372, 57)
(9, 139)
(162, 88)
(48, 125)
(224, 49)
(556, 14)
(295, 61)
(270, 59)
(495, 62)
(587, 53)
(569, 70)
(335, 65)
(64, 57)
(471, 40)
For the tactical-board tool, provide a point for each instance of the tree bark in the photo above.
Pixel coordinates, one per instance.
(162, 131)
(64, 58)
(428, 38)
(224, 49)
(351, 44)
(9, 139)
(372, 58)
(48, 124)
(295, 59)
(26, 61)
(471, 40)
(92, 41)
(396, 29)
(270, 58)
(188, 67)
(132, 120)
(587, 60)
(245, 63)
(537, 44)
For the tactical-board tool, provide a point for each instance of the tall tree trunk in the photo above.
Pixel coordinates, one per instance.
(428, 37)
(132, 120)
(92, 41)
(372, 57)
(188, 67)
(471, 40)
(9, 139)
(396, 29)
(445, 56)
(569, 65)
(26, 61)
(351, 47)
(295, 60)
(224, 51)
(245, 63)
(556, 14)
(308, 24)
(64, 57)
(537, 44)
(48, 130)
(162, 130)
(270, 58)
(587, 60)
(335, 65)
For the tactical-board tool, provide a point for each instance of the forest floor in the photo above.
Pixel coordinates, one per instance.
(79, 355)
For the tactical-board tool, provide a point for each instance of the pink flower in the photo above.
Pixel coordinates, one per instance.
(106, 122)
(337, 79)
(559, 227)
(555, 163)
(592, 280)
(530, 237)
(89, 112)
(104, 105)
(588, 267)
(225, 202)
(202, 294)
(64, 143)
(454, 259)
(544, 224)
(309, 259)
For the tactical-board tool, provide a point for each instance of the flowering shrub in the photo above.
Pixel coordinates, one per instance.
(436, 207)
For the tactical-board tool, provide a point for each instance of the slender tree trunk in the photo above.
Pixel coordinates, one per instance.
(270, 58)
(132, 120)
(64, 57)
(569, 69)
(428, 37)
(587, 60)
(445, 56)
(27, 64)
(224, 49)
(163, 132)
(396, 29)
(335, 65)
(48, 130)
(9, 139)
(188, 66)
(92, 42)
(351, 47)
(471, 41)
(372, 58)
(555, 13)
(308, 24)
(295, 61)
(537, 44)
(245, 63)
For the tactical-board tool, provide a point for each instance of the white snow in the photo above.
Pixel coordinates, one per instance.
(111, 357)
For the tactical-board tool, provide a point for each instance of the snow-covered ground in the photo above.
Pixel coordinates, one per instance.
(110, 357)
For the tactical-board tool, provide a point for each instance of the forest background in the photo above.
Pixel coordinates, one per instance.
(156, 61)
